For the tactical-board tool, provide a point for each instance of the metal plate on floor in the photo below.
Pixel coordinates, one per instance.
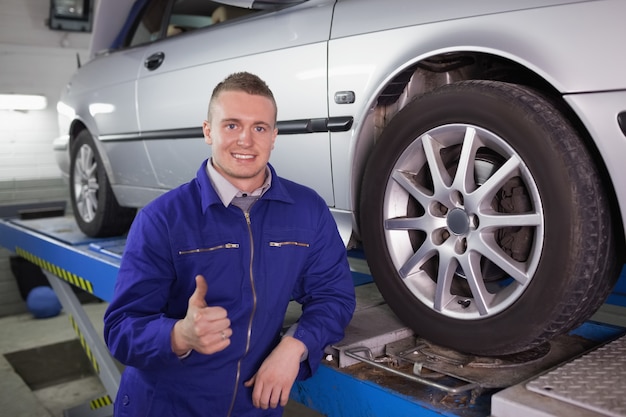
(594, 381)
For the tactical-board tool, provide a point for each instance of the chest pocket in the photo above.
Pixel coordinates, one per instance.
(221, 265)
(282, 258)
(285, 254)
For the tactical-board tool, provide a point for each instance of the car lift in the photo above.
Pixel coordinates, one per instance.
(380, 368)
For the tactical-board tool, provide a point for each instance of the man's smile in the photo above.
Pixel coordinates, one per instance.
(242, 156)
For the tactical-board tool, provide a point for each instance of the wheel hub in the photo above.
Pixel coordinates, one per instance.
(458, 221)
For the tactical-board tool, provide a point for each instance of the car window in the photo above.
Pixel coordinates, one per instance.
(147, 28)
(180, 16)
(194, 14)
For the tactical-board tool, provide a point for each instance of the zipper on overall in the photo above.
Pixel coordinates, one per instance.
(201, 250)
(290, 243)
(254, 302)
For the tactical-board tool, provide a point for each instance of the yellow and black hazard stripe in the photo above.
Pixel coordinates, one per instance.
(56, 270)
(100, 402)
(85, 345)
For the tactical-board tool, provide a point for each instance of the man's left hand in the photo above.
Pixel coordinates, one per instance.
(274, 379)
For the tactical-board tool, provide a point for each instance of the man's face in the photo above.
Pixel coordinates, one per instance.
(242, 134)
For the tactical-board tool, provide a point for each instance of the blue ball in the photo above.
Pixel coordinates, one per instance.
(42, 302)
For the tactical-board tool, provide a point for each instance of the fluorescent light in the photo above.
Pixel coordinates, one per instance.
(22, 102)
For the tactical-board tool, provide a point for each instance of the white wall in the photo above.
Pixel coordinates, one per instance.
(33, 60)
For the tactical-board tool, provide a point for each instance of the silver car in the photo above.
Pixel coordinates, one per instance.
(474, 149)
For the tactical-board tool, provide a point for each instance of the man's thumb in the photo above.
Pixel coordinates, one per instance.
(198, 296)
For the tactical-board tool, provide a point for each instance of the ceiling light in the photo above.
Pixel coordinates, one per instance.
(22, 102)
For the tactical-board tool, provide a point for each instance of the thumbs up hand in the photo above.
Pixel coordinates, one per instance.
(198, 298)
(204, 329)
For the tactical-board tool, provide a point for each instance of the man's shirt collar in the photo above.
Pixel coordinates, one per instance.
(227, 191)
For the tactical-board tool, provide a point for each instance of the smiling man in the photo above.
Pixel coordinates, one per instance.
(209, 269)
(241, 127)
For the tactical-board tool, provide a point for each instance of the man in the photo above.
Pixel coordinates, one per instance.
(209, 269)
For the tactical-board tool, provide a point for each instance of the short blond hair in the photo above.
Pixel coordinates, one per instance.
(245, 82)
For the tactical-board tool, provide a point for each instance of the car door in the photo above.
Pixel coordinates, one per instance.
(286, 47)
(111, 79)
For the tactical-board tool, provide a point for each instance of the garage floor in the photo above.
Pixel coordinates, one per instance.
(37, 377)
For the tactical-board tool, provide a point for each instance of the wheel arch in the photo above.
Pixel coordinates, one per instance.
(415, 78)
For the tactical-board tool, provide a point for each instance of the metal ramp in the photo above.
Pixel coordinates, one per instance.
(593, 384)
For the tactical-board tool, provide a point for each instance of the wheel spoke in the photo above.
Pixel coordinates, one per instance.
(439, 173)
(464, 178)
(421, 194)
(405, 223)
(85, 161)
(489, 248)
(491, 221)
(445, 274)
(419, 258)
(471, 267)
(91, 202)
(426, 223)
(493, 184)
(90, 172)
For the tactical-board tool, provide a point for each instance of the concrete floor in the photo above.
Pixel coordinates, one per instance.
(22, 332)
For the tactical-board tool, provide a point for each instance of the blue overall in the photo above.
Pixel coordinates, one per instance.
(288, 246)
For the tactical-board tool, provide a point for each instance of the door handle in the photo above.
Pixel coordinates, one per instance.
(154, 61)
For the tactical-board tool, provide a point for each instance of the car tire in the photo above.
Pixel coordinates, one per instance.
(95, 207)
(484, 220)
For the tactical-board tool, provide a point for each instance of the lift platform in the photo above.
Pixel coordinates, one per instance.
(381, 368)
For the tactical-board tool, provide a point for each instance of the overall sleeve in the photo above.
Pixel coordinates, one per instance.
(136, 330)
(326, 292)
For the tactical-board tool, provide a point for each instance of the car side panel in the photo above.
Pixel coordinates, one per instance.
(130, 165)
(103, 92)
(284, 48)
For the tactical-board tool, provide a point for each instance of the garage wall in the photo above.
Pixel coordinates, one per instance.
(33, 60)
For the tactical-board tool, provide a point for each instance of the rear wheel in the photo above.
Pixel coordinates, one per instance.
(484, 221)
(95, 208)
